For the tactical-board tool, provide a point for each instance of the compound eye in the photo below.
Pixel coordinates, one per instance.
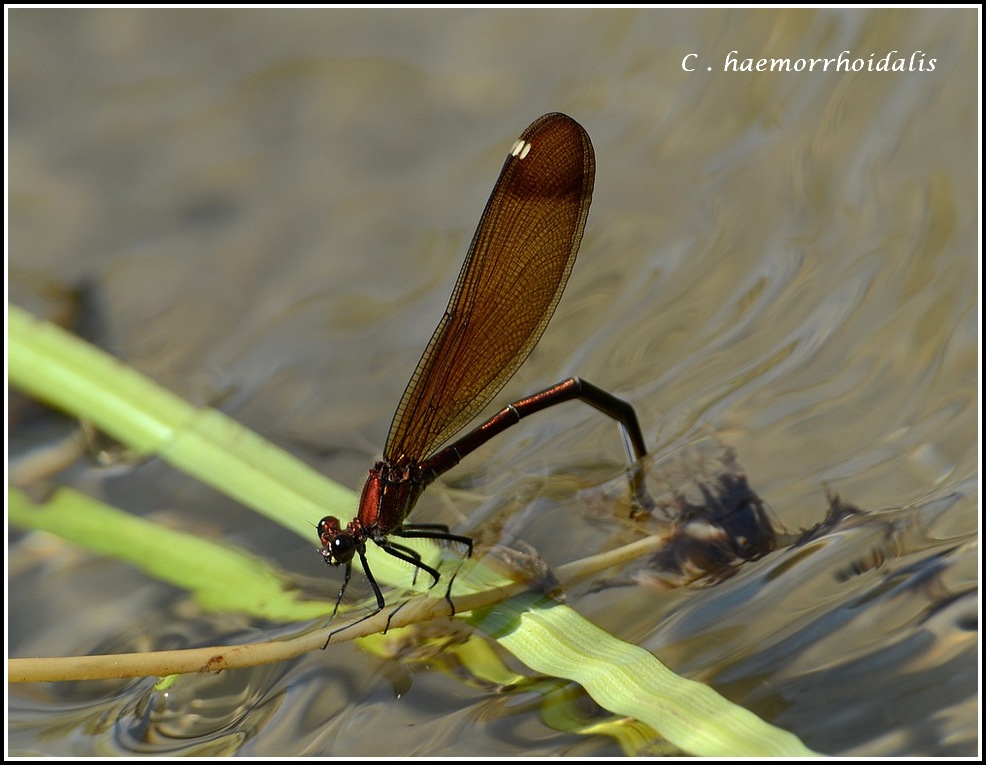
(341, 549)
(328, 529)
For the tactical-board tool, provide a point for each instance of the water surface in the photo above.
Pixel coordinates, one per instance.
(267, 210)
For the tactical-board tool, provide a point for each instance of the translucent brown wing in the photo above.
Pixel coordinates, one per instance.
(515, 272)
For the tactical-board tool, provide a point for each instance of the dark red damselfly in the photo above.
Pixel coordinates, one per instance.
(514, 275)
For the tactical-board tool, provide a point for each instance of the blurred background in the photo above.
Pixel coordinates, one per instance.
(265, 211)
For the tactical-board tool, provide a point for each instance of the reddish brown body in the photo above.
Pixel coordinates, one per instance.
(388, 496)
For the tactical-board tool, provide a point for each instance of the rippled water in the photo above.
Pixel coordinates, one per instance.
(267, 211)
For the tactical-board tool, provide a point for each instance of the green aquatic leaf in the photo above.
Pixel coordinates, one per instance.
(626, 679)
(220, 577)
